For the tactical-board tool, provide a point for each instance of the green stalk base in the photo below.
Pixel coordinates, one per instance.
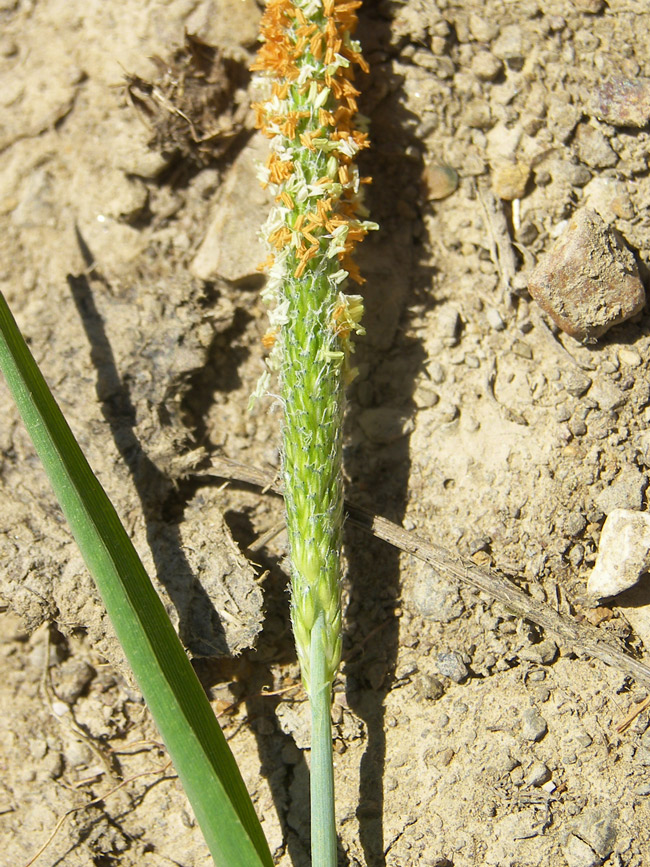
(323, 825)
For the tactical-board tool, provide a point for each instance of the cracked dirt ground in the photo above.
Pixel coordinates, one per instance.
(464, 734)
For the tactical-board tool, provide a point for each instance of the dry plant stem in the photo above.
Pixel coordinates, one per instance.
(307, 55)
(578, 636)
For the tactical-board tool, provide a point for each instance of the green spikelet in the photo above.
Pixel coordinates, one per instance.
(307, 56)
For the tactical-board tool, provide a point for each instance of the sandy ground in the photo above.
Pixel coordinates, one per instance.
(129, 211)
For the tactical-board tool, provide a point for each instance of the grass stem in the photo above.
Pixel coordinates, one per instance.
(323, 825)
(307, 56)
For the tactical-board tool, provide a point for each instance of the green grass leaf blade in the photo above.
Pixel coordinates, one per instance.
(186, 722)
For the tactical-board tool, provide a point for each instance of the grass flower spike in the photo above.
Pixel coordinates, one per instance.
(307, 56)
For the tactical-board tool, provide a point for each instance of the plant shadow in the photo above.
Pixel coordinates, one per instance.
(202, 633)
(377, 462)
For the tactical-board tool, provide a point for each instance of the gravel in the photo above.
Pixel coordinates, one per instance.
(622, 102)
(597, 827)
(579, 854)
(533, 725)
(537, 774)
(625, 492)
(593, 148)
(450, 664)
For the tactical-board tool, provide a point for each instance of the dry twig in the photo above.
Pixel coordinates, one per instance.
(580, 637)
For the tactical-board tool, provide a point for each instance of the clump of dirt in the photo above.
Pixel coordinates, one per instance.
(197, 105)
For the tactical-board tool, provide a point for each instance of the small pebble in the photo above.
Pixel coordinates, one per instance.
(425, 397)
(576, 555)
(517, 776)
(577, 427)
(447, 412)
(592, 7)
(448, 324)
(37, 748)
(429, 687)
(533, 725)
(601, 424)
(543, 653)
(625, 492)
(527, 233)
(501, 761)
(577, 383)
(589, 280)
(436, 372)
(575, 523)
(593, 148)
(405, 670)
(509, 45)
(477, 114)
(450, 664)
(622, 102)
(610, 198)
(583, 739)
(494, 318)
(562, 120)
(510, 179)
(60, 708)
(444, 757)
(537, 774)
(440, 182)
(438, 46)
(8, 47)
(77, 754)
(291, 755)
(597, 827)
(578, 176)
(71, 679)
(578, 854)
(486, 66)
(623, 553)
(482, 29)
(431, 597)
(630, 357)
(607, 395)
(522, 349)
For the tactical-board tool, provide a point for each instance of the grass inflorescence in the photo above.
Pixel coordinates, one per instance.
(308, 57)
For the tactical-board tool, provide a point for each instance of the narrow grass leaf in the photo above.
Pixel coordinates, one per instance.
(186, 722)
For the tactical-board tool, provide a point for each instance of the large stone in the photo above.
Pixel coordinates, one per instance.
(589, 280)
(623, 553)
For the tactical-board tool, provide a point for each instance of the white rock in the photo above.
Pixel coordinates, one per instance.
(623, 553)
